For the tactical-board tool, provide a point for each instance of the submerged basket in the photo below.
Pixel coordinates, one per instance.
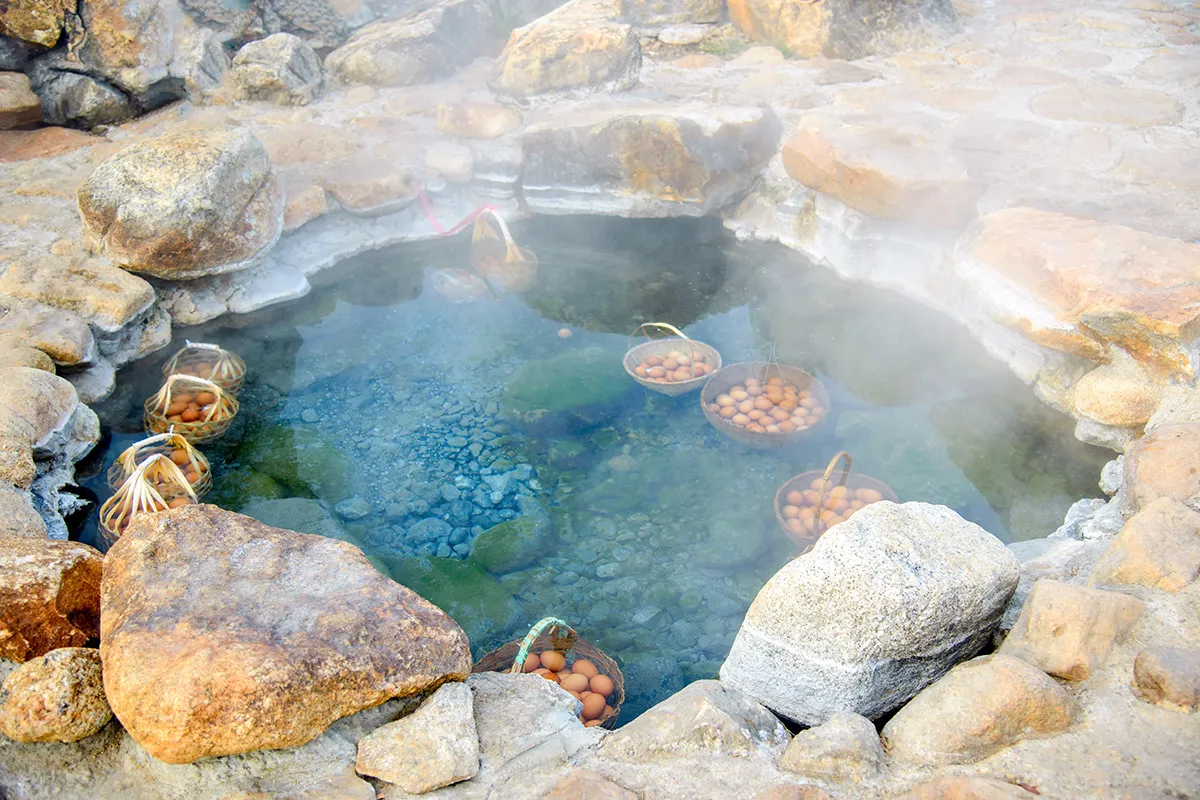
(737, 374)
(191, 462)
(561, 638)
(210, 362)
(155, 485)
(161, 414)
(662, 348)
(820, 517)
(494, 260)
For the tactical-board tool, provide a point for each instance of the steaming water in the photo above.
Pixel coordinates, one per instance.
(380, 396)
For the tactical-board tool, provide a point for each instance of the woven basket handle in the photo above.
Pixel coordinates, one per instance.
(825, 485)
(555, 624)
(201, 345)
(666, 326)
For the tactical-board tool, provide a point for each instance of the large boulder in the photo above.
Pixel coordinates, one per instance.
(883, 605)
(129, 44)
(323, 24)
(49, 596)
(185, 204)
(419, 47)
(843, 28)
(279, 69)
(39, 22)
(512, 544)
(573, 391)
(106, 297)
(572, 51)
(647, 161)
(58, 697)
(19, 106)
(223, 635)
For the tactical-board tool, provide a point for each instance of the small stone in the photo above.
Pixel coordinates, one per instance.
(310, 416)
(846, 749)
(1163, 464)
(353, 508)
(994, 701)
(1068, 630)
(1159, 547)
(583, 784)
(683, 35)
(1168, 676)
(450, 492)
(433, 747)
(19, 106)
(58, 697)
(453, 162)
(966, 788)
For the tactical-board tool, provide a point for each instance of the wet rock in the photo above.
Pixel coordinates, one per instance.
(843, 29)
(49, 596)
(1032, 271)
(18, 517)
(198, 601)
(435, 746)
(1159, 547)
(280, 69)
(965, 788)
(184, 204)
(43, 411)
(63, 336)
(19, 106)
(35, 21)
(477, 120)
(994, 701)
(511, 545)
(883, 605)
(1096, 102)
(1068, 630)
(583, 784)
(58, 697)
(418, 47)
(707, 718)
(1163, 464)
(577, 390)
(572, 51)
(1117, 393)
(71, 98)
(1168, 676)
(899, 167)
(353, 508)
(106, 297)
(651, 161)
(846, 749)
(472, 597)
(670, 12)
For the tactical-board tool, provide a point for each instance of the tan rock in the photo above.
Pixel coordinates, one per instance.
(670, 12)
(897, 167)
(758, 57)
(42, 143)
(294, 143)
(1095, 102)
(58, 697)
(583, 784)
(477, 120)
(976, 709)
(280, 69)
(15, 354)
(367, 188)
(452, 161)
(1168, 676)
(107, 297)
(305, 202)
(697, 61)
(222, 635)
(36, 21)
(62, 335)
(846, 749)
(129, 44)
(1159, 547)
(16, 462)
(49, 596)
(1068, 630)
(1078, 285)
(19, 106)
(1118, 393)
(792, 792)
(1163, 464)
(965, 788)
(18, 517)
(35, 406)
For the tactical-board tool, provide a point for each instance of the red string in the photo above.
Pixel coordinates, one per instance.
(464, 223)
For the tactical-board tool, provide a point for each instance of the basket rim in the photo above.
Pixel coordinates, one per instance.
(691, 384)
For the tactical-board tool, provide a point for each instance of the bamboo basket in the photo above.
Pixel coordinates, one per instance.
(661, 348)
(805, 534)
(737, 374)
(212, 423)
(165, 444)
(140, 494)
(490, 259)
(561, 637)
(210, 362)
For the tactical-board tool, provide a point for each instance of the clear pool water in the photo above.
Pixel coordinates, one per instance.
(374, 411)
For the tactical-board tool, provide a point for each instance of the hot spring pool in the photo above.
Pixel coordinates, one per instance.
(374, 411)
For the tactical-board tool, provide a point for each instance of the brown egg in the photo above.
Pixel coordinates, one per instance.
(192, 476)
(540, 671)
(640, 372)
(193, 406)
(190, 415)
(795, 525)
(700, 370)
(553, 660)
(183, 398)
(176, 408)
(740, 419)
(683, 361)
(868, 495)
(805, 394)
(816, 484)
(683, 374)
(532, 663)
(790, 512)
(772, 428)
(827, 515)
(602, 685)
(574, 683)
(746, 406)
(180, 456)
(725, 401)
(779, 415)
(755, 415)
(206, 398)
(584, 667)
(837, 504)
(800, 412)
(839, 492)
(592, 723)
(754, 390)
(728, 412)
(855, 505)
(179, 502)
(795, 498)
(656, 372)
(608, 712)
(739, 394)
(787, 426)
(763, 403)
(675, 354)
(754, 427)
(653, 361)
(714, 408)
(671, 365)
(593, 706)
(811, 496)
(809, 402)
(807, 514)
(753, 382)
(174, 418)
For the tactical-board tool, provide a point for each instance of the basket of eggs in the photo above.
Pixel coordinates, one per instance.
(811, 503)
(191, 462)
(764, 404)
(579, 668)
(210, 362)
(195, 408)
(155, 485)
(672, 366)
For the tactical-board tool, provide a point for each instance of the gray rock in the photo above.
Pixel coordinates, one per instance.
(433, 747)
(846, 749)
(683, 35)
(81, 101)
(310, 416)
(13, 55)
(353, 508)
(427, 530)
(512, 544)
(1079, 512)
(280, 69)
(882, 606)
(450, 492)
(1112, 476)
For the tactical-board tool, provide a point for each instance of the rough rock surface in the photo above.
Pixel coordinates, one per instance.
(583, 784)
(1068, 630)
(16, 462)
(107, 297)
(58, 697)
(1169, 676)
(1159, 547)
(433, 747)
(883, 605)
(419, 47)
(280, 69)
(14, 353)
(63, 336)
(36, 21)
(846, 749)
(646, 161)
(184, 204)
(976, 709)
(41, 410)
(966, 788)
(670, 12)
(1118, 393)
(223, 635)
(1163, 464)
(18, 517)
(129, 45)
(19, 106)
(71, 98)
(49, 596)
